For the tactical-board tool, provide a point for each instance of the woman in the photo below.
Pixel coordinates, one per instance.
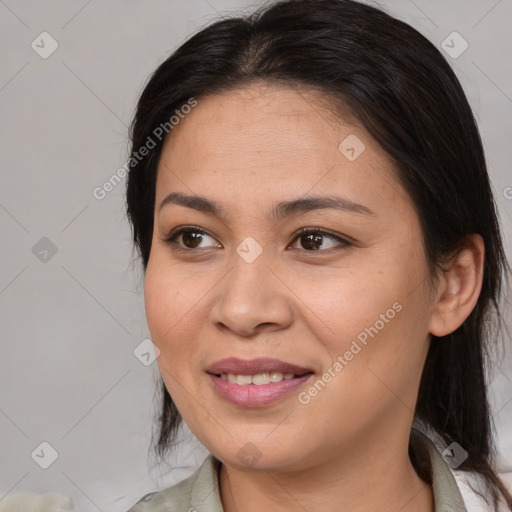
(310, 199)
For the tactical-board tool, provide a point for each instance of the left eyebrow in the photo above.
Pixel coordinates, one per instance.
(279, 211)
(306, 204)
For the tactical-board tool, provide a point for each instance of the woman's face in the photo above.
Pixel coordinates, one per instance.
(348, 305)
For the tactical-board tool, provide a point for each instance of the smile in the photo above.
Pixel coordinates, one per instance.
(259, 379)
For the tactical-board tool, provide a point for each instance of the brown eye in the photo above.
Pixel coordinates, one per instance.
(191, 238)
(311, 239)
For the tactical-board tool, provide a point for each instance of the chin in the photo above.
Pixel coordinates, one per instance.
(250, 453)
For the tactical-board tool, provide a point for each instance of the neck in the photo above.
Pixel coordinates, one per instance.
(378, 477)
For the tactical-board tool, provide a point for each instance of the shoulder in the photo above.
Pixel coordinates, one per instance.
(199, 488)
(176, 496)
(465, 488)
(447, 495)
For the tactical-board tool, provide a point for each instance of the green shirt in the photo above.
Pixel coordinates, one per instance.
(200, 491)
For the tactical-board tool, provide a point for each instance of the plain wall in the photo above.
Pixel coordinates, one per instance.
(70, 320)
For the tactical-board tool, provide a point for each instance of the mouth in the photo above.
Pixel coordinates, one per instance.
(253, 367)
(256, 382)
(259, 379)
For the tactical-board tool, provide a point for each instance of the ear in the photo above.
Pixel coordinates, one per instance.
(459, 287)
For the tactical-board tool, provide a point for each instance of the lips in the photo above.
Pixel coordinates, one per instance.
(258, 382)
(236, 366)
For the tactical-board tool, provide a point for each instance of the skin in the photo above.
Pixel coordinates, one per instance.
(347, 449)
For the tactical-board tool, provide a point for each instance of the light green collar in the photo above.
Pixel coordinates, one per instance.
(200, 491)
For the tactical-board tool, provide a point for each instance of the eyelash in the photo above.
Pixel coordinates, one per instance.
(171, 238)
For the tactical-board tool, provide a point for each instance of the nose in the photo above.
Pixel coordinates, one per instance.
(252, 298)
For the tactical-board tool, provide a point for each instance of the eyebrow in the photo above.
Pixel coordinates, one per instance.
(279, 211)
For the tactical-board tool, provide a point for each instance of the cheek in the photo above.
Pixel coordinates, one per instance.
(377, 322)
(160, 301)
(170, 303)
(381, 362)
(171, 295)
(348, 302)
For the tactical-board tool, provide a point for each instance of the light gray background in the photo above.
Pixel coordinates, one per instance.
(69, 325)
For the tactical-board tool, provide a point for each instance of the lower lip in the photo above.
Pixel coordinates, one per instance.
(251, 395)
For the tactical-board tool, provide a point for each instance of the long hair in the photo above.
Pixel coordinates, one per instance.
(400, 87)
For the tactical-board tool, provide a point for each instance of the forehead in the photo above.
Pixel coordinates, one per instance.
(258, 120)
(263, 140)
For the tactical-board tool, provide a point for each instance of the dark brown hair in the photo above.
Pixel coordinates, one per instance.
(403, 91)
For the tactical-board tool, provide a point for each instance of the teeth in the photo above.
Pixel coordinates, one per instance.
(243, 379)
(258, 379)
(261, 378)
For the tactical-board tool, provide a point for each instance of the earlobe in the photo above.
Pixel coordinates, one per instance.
(459, 287)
